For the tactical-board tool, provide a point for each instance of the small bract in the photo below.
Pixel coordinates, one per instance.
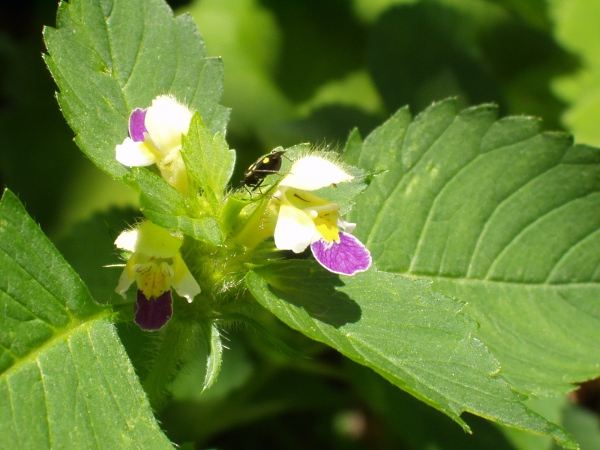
(155, 138)
(306, 219)
(155, 265)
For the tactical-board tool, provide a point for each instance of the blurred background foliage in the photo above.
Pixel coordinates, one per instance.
(308, 71)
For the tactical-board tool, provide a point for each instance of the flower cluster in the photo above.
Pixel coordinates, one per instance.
(300, 218)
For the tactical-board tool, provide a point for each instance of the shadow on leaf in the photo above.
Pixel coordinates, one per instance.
(307, 285)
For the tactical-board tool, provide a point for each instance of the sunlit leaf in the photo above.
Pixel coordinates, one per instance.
(501, 217)
(112, 57)
(208, 160)
(66, 381)
(416, 338)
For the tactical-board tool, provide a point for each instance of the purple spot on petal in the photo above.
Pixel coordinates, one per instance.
(346, 257)
(154, 313)
(137, 124)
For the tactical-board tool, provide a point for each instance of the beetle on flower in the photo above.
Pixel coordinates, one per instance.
(306, 219)
(155, 265)
(155, 138)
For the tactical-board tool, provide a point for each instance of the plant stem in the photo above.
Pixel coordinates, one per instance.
(178, 338)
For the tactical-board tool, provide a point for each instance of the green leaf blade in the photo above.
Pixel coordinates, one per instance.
(65, 380)
(208, 160)
(214, 358)
(67, 396)
(35, 305)
(503, 218)
(419, 340)
(112, 58)
(532, 333)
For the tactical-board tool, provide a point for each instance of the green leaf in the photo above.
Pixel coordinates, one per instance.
(110, 57)
(208, 159)
(418, 339)
(66, 381)
(214, 358)
(163, 204)
(501, 217)
(549, 407)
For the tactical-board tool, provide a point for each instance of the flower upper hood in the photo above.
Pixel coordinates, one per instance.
(313, 172)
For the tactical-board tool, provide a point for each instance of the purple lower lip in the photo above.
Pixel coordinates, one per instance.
(137, 124)
(151, 314)
(346, 257)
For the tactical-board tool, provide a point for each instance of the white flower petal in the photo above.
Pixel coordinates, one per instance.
(183, 281)
(348, 227)
(127, 240)
(173, 170)
(134, 154)
(127, 276)
(124, 282)
(294, 230)
(166, 121)
(313, 172)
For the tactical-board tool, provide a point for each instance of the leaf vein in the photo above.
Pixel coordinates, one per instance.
(135, 61)
(83, 394)
(131, 384)
(438, 375)
(13, 412)
(526, 228)
(197, 88)
(380, 215)
(496, 211)
(596, 274)
(112, 397)
(53, 298)
(568, 251)
(436, 199)
(47, 415)
(112, 61)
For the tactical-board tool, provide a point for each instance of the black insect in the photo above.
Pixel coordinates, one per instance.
(255, 175)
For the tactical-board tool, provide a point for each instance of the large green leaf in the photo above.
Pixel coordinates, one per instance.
(501, 217)
(65, 380)
(110, 57)
(418, 339)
